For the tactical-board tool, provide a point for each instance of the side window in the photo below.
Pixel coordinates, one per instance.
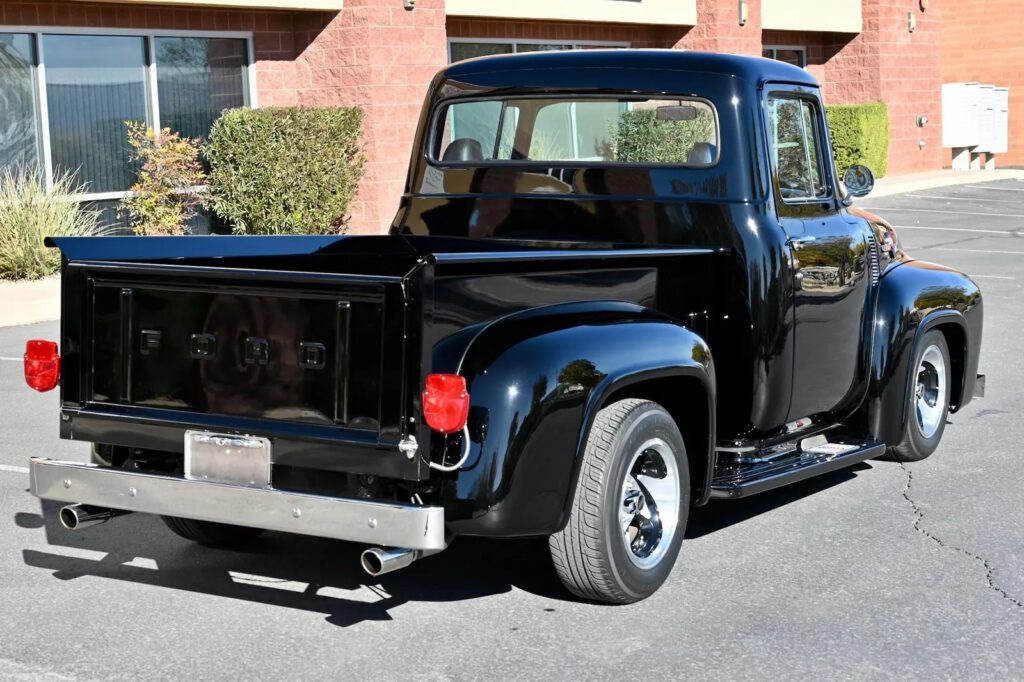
(553, 133)
(796, 156)
(491, 124)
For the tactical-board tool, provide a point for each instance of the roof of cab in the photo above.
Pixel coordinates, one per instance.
(753, 69)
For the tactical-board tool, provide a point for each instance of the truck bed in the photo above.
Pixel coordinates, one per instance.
(320, 344)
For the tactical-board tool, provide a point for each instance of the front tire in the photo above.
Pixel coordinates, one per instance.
(928, 402)
(630, 506)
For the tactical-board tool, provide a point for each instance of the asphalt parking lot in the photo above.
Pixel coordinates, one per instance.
(881, 571)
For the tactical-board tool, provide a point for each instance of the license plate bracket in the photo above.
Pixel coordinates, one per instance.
(227, 458)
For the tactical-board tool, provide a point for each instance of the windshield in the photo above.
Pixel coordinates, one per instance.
(679, 132)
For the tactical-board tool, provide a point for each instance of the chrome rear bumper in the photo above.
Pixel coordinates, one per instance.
(378, 523)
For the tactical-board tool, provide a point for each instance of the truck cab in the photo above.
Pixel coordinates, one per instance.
(619, 283)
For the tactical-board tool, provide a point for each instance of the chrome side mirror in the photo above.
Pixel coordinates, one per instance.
(859, 180)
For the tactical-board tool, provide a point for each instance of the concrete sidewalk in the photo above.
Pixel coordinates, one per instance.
(913, 182)
(29, 301)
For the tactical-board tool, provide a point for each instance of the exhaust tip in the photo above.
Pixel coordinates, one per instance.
(78, 516)
(372, 561)
(378, 561)
(68, 518)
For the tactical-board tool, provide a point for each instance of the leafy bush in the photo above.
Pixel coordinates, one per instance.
(29, 214)
(860, 134)
(285, 170)
(641, 137)
(165, 197)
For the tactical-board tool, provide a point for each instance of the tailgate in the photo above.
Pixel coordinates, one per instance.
(153, 349)
(233, 350)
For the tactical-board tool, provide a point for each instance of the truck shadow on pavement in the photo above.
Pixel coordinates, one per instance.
(291, 571)
(324, 576)
(721, 514)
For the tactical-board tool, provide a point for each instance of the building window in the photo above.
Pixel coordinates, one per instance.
(93, 85)
(65, 95)
(466, 48)
(19, 105)
(797, 56)
(197, 79)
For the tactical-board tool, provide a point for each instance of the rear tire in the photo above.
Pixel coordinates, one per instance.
(928, 401)
(630, 506)
(211, 534)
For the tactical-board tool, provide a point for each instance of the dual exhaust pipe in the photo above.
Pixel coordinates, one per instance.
(378, 560)
(77, 516)
(375, 560)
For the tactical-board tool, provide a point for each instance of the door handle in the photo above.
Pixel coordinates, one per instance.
(798, 242)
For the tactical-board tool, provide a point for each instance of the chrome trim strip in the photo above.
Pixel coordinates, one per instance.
(569, 254)
(377, 523)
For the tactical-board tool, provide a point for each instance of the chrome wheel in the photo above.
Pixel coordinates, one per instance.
(649, 512)
(930, 395)
(630, 506)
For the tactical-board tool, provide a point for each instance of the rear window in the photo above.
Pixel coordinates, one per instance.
(678, 132)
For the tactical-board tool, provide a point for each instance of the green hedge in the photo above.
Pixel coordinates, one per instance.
(860, 134)
(641, 137)
(285, 170)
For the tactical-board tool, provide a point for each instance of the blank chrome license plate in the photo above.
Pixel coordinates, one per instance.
(223, 458)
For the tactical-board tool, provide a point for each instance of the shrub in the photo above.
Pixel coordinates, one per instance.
(165, 197)
(285, 170)
(860, 134)
(640, 136)
(29, 214)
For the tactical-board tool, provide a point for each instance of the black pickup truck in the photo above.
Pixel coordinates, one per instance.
(619, 284)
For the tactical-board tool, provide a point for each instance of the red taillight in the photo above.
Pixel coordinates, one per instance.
(446, 402)
(42, 364)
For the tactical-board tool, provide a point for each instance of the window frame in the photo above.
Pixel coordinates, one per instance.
(515, 42)
(821, 142)
(149, 36)
(802, 49)
(437, 125)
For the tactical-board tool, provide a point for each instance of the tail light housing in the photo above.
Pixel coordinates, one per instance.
(42, 364)
(446, 402)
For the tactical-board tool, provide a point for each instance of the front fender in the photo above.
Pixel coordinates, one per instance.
(913, 298)
(536, 379)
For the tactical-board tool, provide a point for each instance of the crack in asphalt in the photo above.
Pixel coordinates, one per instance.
(989, 568)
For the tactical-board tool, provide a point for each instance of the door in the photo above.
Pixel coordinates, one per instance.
(829, 253)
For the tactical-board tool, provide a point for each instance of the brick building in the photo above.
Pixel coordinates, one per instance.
(72, 70)
(984, 41)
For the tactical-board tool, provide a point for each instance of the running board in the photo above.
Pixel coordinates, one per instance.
(733, 480)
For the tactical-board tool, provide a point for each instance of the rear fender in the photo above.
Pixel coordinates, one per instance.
(912, 299)
(536, 381)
